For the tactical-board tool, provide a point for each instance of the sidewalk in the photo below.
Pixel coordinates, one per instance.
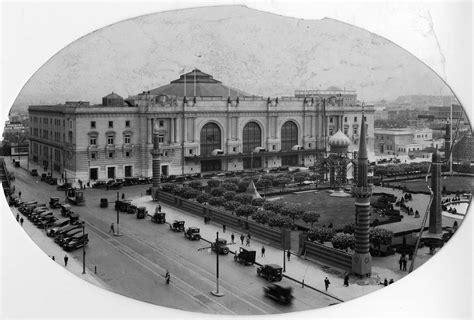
(47, 244)
(297, 268)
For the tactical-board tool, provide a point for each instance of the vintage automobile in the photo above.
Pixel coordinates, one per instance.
(64, 187)
(177, 226)
(37, 218)
(72, 238)
(76, 243)
(122, 205)
(76, 197)
(65, 210)
(46, 221)
(99, 185)
(159, 217)
(142, 212)
(192, 233)
(60, 226)
(31, 214)
(245, 257)
(278, 293)
(132, 209)
(43, 176)
(54, 203)
(104, 202)
(62, 237)
(34, 172)
(220, 246)
(271, 272)
(113, 185)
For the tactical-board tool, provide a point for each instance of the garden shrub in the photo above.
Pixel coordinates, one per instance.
(213, 183)
(217, 201)
(310, 217)
(280, 221)
(343, 241)
(190, 193)
(202, 198)
(218, 192)
(232, 205)
(258, 202)
(168, 187)
(245, 210)
(262, 216)
(230, 186)
(321, 234)
(195, 185)
(229, 195)
(243, 198)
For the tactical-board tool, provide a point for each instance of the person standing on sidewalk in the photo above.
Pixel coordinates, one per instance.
(404, 263)
(66, 258)
(326, 283)
(19, 194)
(17, 217)
(242, 239)
(21, 221)
(232, 237)
(167, 277)
(247, 243)
(346, 280)
(288, 255)
(223, 228)
(263, 251)
(400, 262)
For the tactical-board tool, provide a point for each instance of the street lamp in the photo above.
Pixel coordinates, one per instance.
(216, 292)
(83, 248)
(117, 233)
(89, 172)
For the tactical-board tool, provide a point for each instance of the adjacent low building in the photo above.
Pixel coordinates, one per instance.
(203, 126)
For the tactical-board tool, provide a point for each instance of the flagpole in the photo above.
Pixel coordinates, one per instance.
(185, 84)
(195, 81)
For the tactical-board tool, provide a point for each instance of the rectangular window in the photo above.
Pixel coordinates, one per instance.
(330, 119)
(93, 141)
(309, 145)
(330, 132)
(190, 151)
(162, 123)
(345, 119)
(127, 138)
(345, 131)
(274, 147)
(92, 155)
(111, 154)
(111, 124)
(355, 119)
(234, 149)
(165, 153)
(92, 124)
(355, 131)
(127, 154)
(110, 139)
(161, 138)
(127, 123)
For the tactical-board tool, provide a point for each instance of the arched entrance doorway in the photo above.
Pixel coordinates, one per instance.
(289, 138)
(251, 139)
(210, 140)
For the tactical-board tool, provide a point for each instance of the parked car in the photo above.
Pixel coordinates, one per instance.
(177, 226)
(104, 202)
(278, 293)
(64, 187)
(159, 217)
(64, 237)
(220, 246)
(54, 203)
(244, 256)
(66, 229)
(38, 217)
(113, 185)
(31, 214)
(66, 210)
(34, 172)
(73, 238)
(142, 212)
(76, 243)
(193, 233)
(60, 226)
(271, 272)
(99, 185)
(46, 221)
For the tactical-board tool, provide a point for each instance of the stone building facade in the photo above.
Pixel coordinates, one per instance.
(203, 126)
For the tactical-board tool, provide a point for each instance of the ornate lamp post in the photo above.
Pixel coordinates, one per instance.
(84, 249)
(156, 164)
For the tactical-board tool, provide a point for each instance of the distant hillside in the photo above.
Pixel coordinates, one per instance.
(257, 52)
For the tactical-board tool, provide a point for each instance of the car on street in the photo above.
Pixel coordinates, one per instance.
(66, 229)
(245, 257)
(193, 233)
(46, 221)
(142, 212)
(159, 217)
(271, 272)
(58, 226)
(38, 217)
(278, 293)
(104, 202)
(65, 237)
(54, 203)
(76, 242)
(220, 246)
(177, 226)
(34, 172)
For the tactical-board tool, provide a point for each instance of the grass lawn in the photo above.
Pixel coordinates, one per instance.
(338, 211)
(453, 183)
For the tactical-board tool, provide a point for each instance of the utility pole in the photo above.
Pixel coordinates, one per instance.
(216, 292)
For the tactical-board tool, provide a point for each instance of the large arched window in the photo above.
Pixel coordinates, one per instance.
(289, 135)
(210, 138)
(251, 139)
(289, 138)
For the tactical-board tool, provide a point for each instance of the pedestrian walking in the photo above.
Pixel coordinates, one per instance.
(404, 263)
(17, 217)
(167, 277)
(159, 208)
(400, 262)
(288, 255)
(112, 228)
(19, 194)
(54, 259)
(326, 283)
(123, 195)
(232, 237)
(263, 251)
(346, 280)
(223, 228)
(391, 281)
(247, 243)
(21, 221)
(385, 282)
(66, 258)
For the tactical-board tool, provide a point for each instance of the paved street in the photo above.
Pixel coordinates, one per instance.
(134, 264)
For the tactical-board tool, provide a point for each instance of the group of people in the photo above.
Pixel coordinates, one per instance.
(403, 262)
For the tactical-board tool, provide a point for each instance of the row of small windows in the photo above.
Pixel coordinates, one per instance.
(127, 139)
(345, 119)
(47, 121)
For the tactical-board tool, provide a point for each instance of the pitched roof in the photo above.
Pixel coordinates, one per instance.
(198, 84)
